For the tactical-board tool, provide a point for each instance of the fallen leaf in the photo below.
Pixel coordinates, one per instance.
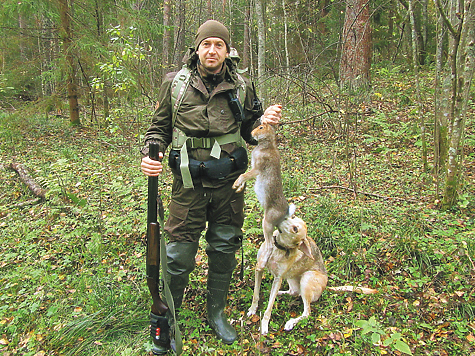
(350, 304)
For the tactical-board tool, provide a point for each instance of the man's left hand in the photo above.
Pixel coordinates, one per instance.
(272, 115)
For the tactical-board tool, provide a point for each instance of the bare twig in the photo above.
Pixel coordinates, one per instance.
(28, 202)
(364, 193)
(464, 243)
(307, 119)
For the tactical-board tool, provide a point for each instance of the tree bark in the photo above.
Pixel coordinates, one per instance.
(355, 59)
(179, 33)
(415, 63)
(286, 44)
(67, 37)
(166, 37)
(261, 35)
(29, 182)
(464, 69)
(247, 39)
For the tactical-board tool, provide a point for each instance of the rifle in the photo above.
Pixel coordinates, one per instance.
(160, 330)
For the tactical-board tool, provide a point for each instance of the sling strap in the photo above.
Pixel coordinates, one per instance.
(168, 295)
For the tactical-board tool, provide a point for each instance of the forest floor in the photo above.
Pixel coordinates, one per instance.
(72, 265)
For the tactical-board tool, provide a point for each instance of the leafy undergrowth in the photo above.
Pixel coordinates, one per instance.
(72, 266)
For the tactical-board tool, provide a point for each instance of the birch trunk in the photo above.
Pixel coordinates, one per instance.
(261, 39)
(440, 120)
(247, 39)
(286, 44)
(465, 68)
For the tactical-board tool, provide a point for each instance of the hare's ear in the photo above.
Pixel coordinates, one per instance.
(306, 248)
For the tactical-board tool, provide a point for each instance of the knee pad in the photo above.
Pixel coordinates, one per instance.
(181, 257)
(223, 238)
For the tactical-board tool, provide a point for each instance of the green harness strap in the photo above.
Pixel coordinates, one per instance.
(215, 151)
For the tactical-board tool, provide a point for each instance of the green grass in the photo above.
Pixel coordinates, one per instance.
(72, 266)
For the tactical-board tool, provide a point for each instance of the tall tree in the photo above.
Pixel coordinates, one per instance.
(440, 102)
(286, 44)
(459, 17)
(415, 63)
(355, 59)
(261, 40)
(166, 36)
(68, 48)
(247, 38)
(179, 32)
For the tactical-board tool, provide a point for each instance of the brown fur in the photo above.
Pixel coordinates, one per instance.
(265, 168)
(301, 264)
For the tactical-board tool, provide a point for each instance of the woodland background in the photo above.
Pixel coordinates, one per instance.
(377, 146)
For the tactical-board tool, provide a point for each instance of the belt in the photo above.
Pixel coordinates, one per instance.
(182, 142)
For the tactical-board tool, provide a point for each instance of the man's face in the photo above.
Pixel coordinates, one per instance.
(212, 52)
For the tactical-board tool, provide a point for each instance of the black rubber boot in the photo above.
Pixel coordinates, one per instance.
(221, 266)
(180, 263)
(160, 333)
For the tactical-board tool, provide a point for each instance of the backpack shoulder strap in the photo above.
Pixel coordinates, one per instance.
(241, 89)
(179, 86)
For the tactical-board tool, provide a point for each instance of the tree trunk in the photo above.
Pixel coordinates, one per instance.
(179, 33)
(286, 44)
(261, 39)
(34, 187)
(247, 40)
(355, 59)
(464, 55)
(66, 35)
(415, 63)
(166, 37)
(440, 105)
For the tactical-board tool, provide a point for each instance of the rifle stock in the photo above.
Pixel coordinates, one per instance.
(153, 240)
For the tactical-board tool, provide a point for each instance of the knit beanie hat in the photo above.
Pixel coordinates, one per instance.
(212, 28)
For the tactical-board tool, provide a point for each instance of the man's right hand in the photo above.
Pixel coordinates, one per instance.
(151, 167)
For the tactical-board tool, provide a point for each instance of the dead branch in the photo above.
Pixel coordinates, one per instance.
(364, 193)
(307, 119)
(29, 181)
(28, 202)
(362, 290)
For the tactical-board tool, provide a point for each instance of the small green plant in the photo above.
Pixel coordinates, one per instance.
(374, 330)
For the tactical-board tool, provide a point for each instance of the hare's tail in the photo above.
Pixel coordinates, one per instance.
(291, 210)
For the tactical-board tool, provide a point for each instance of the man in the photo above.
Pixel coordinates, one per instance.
(206, 134)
